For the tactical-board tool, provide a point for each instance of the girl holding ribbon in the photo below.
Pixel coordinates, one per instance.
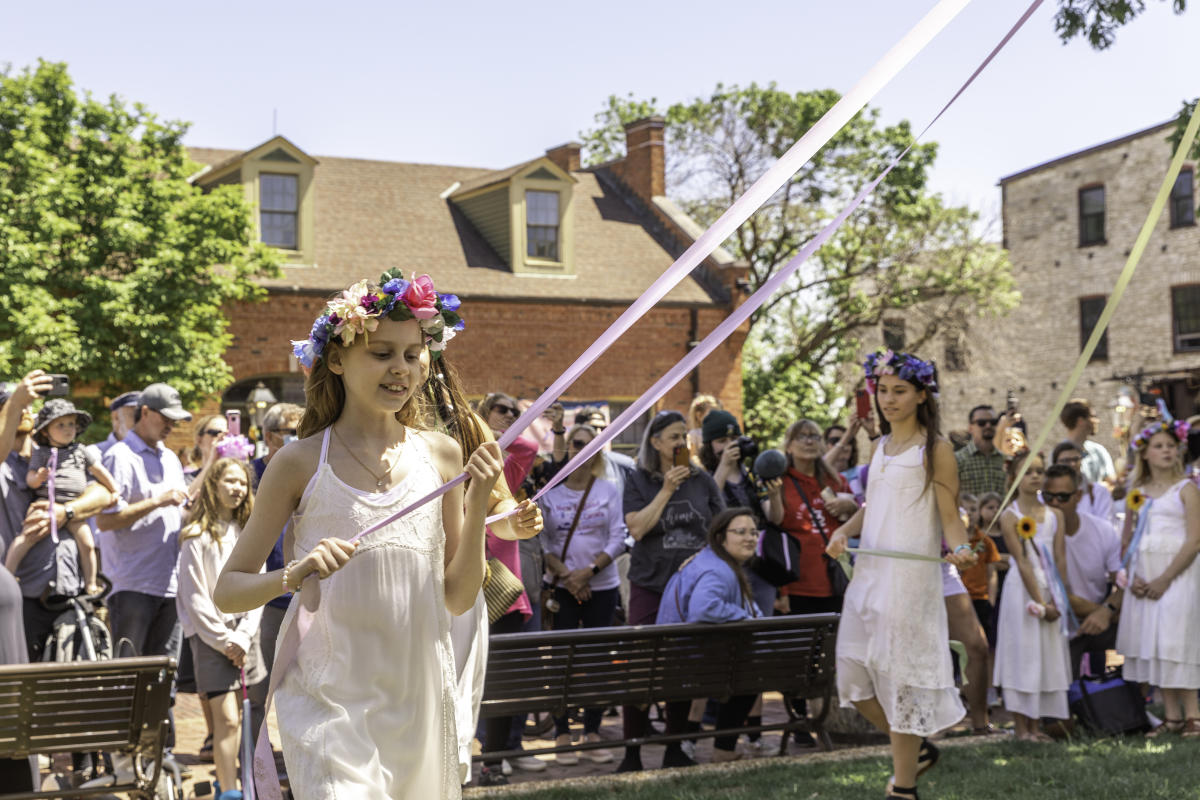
(892, 661)
(1033, 659)
(1159, 631)
(366, 709)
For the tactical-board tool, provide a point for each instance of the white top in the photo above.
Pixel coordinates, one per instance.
(200, 563)
(1093, 553)
(600, 529)
(1097, 500)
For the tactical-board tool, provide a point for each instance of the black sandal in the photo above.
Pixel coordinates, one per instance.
(902, 793)
(927, 757)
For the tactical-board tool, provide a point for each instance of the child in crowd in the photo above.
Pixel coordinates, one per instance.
(380, 723)
(56, 428)
(892, 660)
(980, 580)
(222, 645)
(1033, 662)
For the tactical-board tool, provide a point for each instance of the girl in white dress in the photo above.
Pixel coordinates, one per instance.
(367, 708)
(892, 661)
(1033, 659)
(1159, 631)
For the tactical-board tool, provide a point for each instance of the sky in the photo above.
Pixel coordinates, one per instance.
(494, 84)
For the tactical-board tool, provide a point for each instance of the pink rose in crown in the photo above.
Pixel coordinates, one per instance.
(421, 298)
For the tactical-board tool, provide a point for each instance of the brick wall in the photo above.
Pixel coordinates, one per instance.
(1034, 347)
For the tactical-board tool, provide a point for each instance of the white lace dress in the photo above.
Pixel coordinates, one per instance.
(893, 642)
(1160, 639)
(1033, 657)
(367, 710)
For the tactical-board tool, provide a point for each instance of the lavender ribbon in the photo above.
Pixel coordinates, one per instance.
(53, 467)
(816, 137)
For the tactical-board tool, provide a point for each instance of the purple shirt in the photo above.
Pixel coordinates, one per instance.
(601, 528)
(144, 557)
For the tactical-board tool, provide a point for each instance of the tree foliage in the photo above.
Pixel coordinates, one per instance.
(904, 252)
(113, 267)
(1098, 20)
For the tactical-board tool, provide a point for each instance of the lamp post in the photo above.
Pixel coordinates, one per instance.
(260, 400)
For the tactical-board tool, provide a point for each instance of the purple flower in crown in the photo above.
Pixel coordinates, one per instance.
(320, 330)
(305, 352)
(450, 302)
(395, 287)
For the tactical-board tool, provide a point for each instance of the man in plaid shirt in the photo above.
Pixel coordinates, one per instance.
(980, 465)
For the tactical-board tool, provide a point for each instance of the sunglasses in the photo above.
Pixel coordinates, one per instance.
(986, 423)
(284, 431)
(1060, 497)
(213, 432)
(503, 409)
(833, 441)
(579, 444)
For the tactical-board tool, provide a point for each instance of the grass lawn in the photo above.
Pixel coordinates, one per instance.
(1133, 769)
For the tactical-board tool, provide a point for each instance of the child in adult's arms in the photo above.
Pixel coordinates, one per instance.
(58, 425)
(892, 661)
(368, 710)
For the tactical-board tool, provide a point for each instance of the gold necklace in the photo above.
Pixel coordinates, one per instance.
(379, 479)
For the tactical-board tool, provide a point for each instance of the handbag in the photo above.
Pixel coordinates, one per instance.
(777, 559)
(1108, 704)
(501, 588)
(838, 580)
(549, 603)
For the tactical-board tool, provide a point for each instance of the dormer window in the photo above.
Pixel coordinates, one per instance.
(541, 225)
(280, 209)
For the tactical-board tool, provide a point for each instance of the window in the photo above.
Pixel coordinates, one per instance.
(278, 197)
(1091, 216)
(1185, 313)
(893, 334)
(1089, 315)
(541, 225)
(1183, 202)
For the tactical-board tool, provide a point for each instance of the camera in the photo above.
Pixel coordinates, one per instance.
(747, 447)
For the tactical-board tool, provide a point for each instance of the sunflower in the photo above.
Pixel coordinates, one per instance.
(1135, 500)
(1026, 527)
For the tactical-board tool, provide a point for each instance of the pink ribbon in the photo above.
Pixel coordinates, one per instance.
(53, 467)
(816, 137)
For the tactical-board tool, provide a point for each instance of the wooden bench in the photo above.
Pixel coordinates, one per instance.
(119, 706)
(557, 671)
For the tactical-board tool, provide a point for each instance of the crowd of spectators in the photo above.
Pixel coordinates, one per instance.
(670, 535)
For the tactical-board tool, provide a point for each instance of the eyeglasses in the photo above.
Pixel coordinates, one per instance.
(1058, 497)
(284, 431)
(741, 532)
(985, 423)
(503, 409)
(808, 437)
(213, 432)
(579, 444)
(1069, 461)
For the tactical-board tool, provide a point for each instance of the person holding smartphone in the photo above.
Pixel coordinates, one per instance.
(669, 504)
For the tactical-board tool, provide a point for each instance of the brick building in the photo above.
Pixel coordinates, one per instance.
(1069, 225)
(544, 254)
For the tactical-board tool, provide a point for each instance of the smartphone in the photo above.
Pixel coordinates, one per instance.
(234, 418)
(862, 401)
(1010, 402)
(682, 457)
(60, 387)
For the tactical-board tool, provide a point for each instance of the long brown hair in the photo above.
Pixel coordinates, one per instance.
(716, 542)
(927, 415)
(207, 516)
(325, 397)
(448, 410)
(194, 456)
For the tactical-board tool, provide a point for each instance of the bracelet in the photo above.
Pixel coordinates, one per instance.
(287, 572)
(596, 569)
(1112, 608)
(962, 547)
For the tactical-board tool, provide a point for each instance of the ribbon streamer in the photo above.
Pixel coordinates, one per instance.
(1129, 562)
(1131, 263)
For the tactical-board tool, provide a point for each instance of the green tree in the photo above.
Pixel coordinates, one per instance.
(903, 252)
(1098, 20)
(114, 268)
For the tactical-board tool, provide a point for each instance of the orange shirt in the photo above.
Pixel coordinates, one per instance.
(976, 578)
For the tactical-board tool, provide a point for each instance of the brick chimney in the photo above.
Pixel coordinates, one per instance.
(565, 156)
(644, 170)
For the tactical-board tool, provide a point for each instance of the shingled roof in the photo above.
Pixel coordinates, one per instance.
(371, 216)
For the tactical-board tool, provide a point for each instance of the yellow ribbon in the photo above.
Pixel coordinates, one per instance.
(1135, 255)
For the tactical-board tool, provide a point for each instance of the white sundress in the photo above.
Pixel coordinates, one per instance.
(893, 642)
(1033, 657)
(367, 711)
(1160, 639)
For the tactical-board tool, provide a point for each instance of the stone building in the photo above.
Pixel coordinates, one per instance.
(544, 254)
(1069, 225)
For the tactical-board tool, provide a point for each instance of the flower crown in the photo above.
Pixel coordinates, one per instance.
(903, 365)
(359, 309)
(1176, 427)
